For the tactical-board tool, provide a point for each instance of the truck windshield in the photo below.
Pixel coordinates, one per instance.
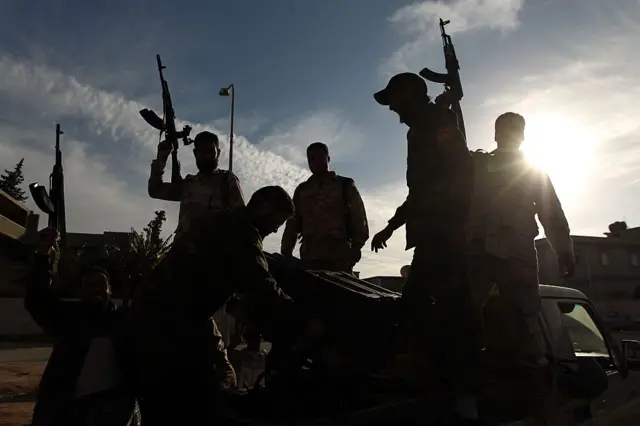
(585, 337)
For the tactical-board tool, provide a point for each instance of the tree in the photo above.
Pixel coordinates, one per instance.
(128, 265)
(136, 262)
(10, 182)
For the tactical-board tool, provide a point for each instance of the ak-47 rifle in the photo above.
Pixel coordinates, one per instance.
(451, 79)
(168, 124)
(52, 202)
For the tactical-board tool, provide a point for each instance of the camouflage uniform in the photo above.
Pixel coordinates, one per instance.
(332, 221)
(200, 197)
(437, 296)
(177, 381)
(508, 194)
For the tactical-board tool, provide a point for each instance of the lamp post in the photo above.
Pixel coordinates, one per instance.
(230, 91)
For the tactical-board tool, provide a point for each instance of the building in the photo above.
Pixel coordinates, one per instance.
(17, 225)
(607, 269)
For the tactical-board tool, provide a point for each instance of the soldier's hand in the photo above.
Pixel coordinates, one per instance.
(47, 241)
(379, 241)
(164, 149)
(567, 264)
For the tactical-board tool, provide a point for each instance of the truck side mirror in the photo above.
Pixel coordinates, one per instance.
(631, 354)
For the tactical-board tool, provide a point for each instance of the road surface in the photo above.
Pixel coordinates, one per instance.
(33, 354)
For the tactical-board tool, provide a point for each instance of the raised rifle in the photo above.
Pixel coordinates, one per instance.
(52, 202)
(451, 79)
(167, 125)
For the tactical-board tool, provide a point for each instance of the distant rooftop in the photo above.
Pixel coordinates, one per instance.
(619, 234)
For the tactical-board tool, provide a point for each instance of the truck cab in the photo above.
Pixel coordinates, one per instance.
(576, 336)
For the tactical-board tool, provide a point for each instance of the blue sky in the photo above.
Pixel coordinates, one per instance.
(305, 71)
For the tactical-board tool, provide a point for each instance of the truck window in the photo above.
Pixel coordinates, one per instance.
(586, 339)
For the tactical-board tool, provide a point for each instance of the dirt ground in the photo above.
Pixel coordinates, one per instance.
(18, 380)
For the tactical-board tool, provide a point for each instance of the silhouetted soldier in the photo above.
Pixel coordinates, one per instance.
(88, 379)
(437, 294)
(201, 196)
(175, 361)
(508, 194)
(330, 218)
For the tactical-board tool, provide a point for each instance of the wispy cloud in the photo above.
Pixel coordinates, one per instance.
(108, 147)
(290, 140)
(418, 23)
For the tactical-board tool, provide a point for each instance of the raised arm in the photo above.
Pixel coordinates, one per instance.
(45, 308)
(167, 191)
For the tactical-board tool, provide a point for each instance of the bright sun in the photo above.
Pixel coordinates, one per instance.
(561, 147)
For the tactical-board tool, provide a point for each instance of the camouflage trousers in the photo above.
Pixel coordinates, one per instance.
(517, 284)
(441, 317)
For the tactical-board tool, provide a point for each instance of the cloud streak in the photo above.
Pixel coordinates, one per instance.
(108, 147)
(418, 22)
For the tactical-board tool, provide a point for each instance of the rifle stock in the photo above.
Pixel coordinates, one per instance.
(168, 124)
(450, 79)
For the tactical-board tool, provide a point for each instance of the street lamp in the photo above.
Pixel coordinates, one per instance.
(230, 91)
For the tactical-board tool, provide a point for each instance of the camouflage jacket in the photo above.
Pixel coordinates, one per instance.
(508, 193)
(227, 259)
(200, 195)
(439, 177)
(330, 218)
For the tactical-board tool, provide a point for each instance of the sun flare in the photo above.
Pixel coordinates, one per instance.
(561, 147)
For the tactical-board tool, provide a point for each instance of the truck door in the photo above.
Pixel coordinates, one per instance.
(590, 340)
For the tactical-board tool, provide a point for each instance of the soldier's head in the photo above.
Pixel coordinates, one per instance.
(96, 286)
(509, 131)
(206, 148)
(404, 94)
(318, 157)
(270, 207)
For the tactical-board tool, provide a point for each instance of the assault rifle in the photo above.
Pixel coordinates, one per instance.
(167, 125)
(451, 79)
(52, 202)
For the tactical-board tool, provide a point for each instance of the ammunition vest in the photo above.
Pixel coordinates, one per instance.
(203, 195)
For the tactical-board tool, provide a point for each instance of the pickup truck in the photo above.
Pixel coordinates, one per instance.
(595, 382)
